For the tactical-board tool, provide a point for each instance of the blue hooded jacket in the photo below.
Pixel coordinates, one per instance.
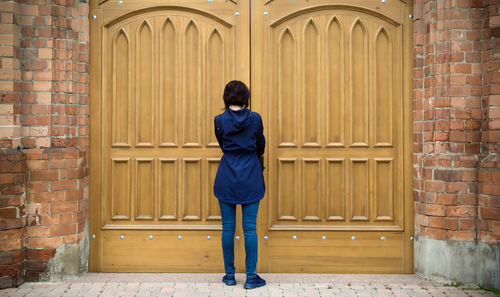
(239, 178)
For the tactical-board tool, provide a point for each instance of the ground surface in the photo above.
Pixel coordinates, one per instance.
(204, 285)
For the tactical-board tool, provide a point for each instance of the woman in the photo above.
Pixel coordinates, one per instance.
(239, 178)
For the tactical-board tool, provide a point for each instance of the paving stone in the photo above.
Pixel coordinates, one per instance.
(209, 285)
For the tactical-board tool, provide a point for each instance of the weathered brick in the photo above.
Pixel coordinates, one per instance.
(443, 222)
(64, 185)
(45, 243)
(462, 235)
(439, 234)
(461, 211)
(490, 213)
(435, 210)
(60, 229)
(61, 207)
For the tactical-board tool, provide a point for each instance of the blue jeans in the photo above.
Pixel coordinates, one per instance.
(228, 213)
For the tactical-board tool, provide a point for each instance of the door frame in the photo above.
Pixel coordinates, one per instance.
(260, 105)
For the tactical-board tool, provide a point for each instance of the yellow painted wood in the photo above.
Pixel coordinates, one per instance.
(136, 252)
(158, 72)
(333, 84)
(337, 253)
(328, 79)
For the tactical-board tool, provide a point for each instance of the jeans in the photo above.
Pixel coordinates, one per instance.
(228, 213)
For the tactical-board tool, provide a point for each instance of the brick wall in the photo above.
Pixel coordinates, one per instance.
(489, 169)
(10, 75)
(44, 55)
(58, 204)
(12, 161)
(447, 117)
(456, 127)
(12, 217)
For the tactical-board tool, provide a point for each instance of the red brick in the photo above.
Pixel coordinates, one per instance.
(45, 243)
(456, 187)
(492, 189)
(46, 254)
(9, 269)
(434, 233)
(64, 185)
(484, 176)
(443, 223)
(434, 186)
(74, 195)
(467, 235)
(435, 210)
(38, 231)
(468, 224)
(45, 175)
(62, 207)
(490, 213)
(63, 230)
(463, 68)
(7, 178)
(461, 211)
(468, 199)
(66, 218)
(11, 234)
(490, 238)
(49, 219)
(6, 224)
(8, 258)
(495, 226)
(447, 199)
(10, 212)
(63, 163)
(11, 245)
(45, 197)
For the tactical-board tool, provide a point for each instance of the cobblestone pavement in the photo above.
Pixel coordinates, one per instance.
(204, 285)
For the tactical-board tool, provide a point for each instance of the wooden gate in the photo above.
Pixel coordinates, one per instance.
(333, 84)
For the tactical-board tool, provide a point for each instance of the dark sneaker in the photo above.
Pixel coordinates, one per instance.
(229, 280)
(254, 282)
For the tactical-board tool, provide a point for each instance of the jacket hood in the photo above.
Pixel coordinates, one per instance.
(240, 118)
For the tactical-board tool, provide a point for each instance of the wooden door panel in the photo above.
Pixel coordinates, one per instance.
(213, 203)
(311, 100)
(334, 89)
(336, 253)
(120, 202)
(335, 190)
(169, 73)
(168, 122)
(287, 204)
(121, 95)
(287, 97)
(334, 101)
(311, 205)
(191, 203)
(144, 122)
(161, 251)
(359, 189)
(168, 190)
(383, 120)
(358, 87)
(384, 190)
(144, 194)
(164, 66)
(191, 102)
(301, 85)
(216, 74)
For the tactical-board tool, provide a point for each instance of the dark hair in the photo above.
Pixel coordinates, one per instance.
(236, 93)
